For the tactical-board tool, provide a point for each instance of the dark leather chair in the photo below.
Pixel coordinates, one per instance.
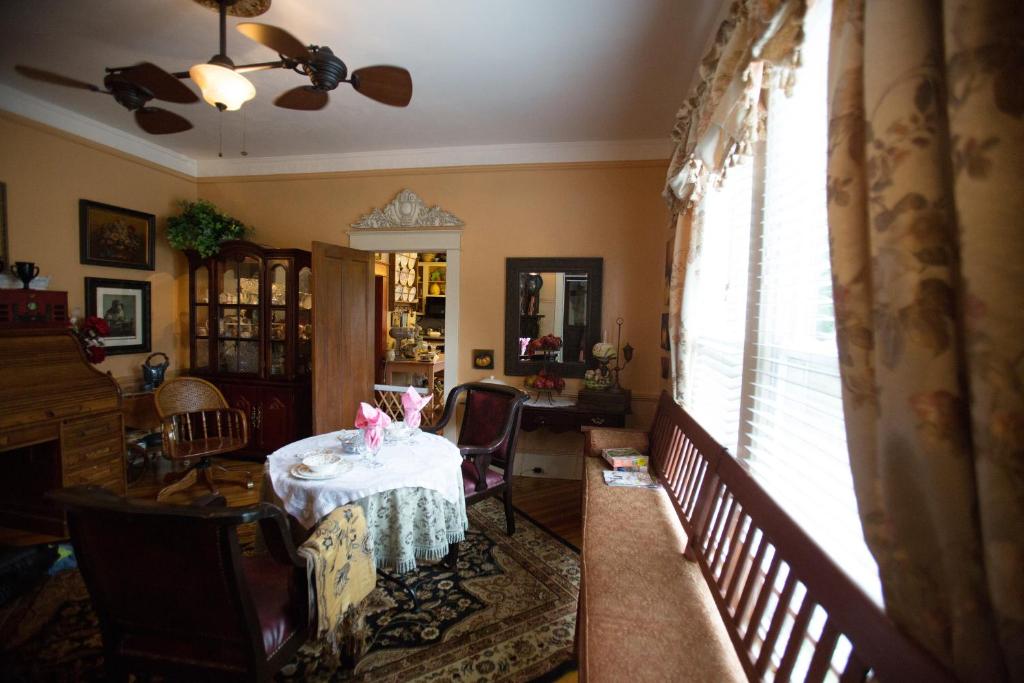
(487, 436)
(175, 596)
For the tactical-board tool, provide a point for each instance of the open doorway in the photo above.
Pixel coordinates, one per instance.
(440, 332)
(410, 313)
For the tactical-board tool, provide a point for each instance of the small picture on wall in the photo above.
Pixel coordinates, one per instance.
(112, 236)
(664, 332)
(483, 359)
(125, 305)
(665, 367)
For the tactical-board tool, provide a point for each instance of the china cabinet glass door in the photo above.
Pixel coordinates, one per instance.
(201, 359)
(238, 325)
(279, 275)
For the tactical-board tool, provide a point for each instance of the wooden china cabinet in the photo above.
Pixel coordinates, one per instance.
(251, 334)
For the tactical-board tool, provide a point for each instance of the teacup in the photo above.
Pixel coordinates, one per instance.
(351, 441)
(397, 431)
(321, 463)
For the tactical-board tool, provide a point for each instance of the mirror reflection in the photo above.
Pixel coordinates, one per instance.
(553, 316)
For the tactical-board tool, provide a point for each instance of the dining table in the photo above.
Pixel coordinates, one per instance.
(411, 491)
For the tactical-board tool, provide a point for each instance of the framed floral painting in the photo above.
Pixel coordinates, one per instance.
(112, 236)
(125, 305)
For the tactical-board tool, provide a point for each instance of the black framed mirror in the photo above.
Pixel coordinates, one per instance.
(549, 299)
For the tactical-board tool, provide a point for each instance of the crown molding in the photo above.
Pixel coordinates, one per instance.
(35, 109)
(439, 157)
(536, 153)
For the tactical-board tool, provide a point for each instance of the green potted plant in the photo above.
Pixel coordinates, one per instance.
(202, 227)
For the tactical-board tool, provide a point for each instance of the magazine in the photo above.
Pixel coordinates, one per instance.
(639, 479)
(627, 459)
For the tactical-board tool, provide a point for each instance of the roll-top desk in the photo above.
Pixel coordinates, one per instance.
(60, 425)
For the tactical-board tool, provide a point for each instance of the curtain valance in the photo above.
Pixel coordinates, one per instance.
(756, 46)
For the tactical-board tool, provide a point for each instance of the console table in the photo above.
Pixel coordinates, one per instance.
(573, 417)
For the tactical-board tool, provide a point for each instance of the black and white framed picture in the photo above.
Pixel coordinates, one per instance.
(125, 305)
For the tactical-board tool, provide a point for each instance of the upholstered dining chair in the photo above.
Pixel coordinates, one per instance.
(487, 436)
(173, 593)
(197, 425)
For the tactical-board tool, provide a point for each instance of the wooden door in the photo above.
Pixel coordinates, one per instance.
(381, 325)
(343, 353)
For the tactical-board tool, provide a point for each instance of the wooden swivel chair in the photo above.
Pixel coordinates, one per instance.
(173, 593)
(197, 423)
(487, 436)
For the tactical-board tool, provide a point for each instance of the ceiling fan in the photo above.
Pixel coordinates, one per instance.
(133, 87)
(388, 84)
(222, 83)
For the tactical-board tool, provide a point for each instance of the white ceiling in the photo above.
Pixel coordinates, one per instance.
(484, 72)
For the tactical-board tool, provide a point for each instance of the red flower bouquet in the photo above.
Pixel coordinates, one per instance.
(90, 333)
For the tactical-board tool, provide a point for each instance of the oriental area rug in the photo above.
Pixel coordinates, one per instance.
(508, 614)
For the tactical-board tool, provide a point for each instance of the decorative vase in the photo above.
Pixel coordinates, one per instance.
(26, 271)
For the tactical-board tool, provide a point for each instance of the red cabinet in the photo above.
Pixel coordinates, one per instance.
(277, 414)
(250, 314)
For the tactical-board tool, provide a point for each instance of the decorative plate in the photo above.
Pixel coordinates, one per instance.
(300, 471)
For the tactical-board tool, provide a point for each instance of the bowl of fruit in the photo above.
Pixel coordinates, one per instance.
(545, 382)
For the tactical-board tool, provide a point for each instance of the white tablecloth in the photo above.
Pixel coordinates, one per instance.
(414, 503)
(424, 461)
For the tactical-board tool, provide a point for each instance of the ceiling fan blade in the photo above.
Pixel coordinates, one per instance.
(163, 85)
(388, 84)
(157, 121)
(277, 39)
(303, 98)
(56, 79)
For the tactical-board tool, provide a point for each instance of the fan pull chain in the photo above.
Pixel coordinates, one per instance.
(220, 133)
(244, 153)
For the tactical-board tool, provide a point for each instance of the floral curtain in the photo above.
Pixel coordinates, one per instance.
(926, 220)
(757, 46)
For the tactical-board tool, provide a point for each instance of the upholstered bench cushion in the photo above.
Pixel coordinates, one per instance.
(646, 613)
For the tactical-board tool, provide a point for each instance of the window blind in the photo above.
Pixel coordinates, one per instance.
(717, 318)
(764, 374)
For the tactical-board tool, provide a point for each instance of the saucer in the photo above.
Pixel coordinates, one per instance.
(300, 471)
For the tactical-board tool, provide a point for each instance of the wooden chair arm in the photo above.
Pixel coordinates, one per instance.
(210, 500)
(277, 537)
(481, 460)
(596, 439)
(181, 428)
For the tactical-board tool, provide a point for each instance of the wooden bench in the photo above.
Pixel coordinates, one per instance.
(709, 579)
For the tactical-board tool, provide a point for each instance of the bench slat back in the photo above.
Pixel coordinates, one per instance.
(791, 612)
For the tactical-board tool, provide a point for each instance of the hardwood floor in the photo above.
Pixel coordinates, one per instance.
(553, 503)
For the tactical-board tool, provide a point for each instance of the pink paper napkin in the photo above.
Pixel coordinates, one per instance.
(372, 421)
(373, 437)
(368, 416)
(413, 402)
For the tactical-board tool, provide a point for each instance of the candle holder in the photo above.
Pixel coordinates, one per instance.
(627, 356)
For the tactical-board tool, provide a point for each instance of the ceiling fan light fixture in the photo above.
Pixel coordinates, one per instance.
(221, 86)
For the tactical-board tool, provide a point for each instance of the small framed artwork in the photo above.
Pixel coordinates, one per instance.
(125, 305)
(112, 236)
(664, 333)
(666, 367)
(483, 359)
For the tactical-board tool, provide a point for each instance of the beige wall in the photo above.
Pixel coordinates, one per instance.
(46, 173)
(609, 210)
